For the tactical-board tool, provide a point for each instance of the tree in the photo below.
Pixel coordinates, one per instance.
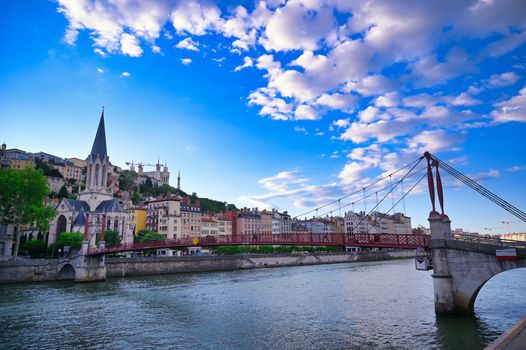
(111, 238)
(127, 180)
(22, 194)
(63, 193)
(35, 248)
(71, 239)
(148, 235)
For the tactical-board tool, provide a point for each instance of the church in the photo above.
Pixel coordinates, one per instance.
(95, 203)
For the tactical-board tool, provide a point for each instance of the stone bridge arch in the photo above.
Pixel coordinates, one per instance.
(66, 272)
(462, 268)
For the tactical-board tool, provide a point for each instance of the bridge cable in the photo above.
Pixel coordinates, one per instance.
(391, 190)
(372, 194)
(357, 191)
(480, 189)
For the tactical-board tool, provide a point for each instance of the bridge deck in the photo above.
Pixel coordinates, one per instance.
(293, 239)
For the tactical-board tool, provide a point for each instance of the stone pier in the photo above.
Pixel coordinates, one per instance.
(461, 268)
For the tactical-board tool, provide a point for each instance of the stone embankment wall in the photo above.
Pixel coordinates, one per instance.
(28, 270)
(41, 270)
(166, 265)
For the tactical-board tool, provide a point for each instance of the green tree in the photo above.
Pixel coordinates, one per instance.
(63, 193)
(71, 239)
(111, 238)
(127, 180)
(22, 194)
(35, 248)
(148, 235)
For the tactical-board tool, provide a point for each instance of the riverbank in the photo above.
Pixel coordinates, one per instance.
(46, 270)
(513, 339)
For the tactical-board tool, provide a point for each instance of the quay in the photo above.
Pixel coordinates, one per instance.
(513, 339)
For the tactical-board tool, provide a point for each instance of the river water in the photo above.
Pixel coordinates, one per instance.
(377, 305)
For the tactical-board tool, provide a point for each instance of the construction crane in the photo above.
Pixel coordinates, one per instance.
(140, 165)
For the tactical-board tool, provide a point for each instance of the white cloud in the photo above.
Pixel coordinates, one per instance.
(343, 102)
(100, 70)
(465, 99)
(501, 80)
(517, 168)
(130, 45)
(100, 52)
(301, 129)
(295, 27)
(421, 100)
(188, 44)
(282, 181)
(195, 18)
(247, 62)
(126, 74)
(108, 21)
(391, 99)
(353, 172)
(156, 49)
(186, 61)
(430, 71)
(512, 110)
(342, 123)
(435, 141)
(305, 112)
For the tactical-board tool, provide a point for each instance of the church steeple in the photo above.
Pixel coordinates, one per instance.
(98, 161)
(99, 145)
(179, 180)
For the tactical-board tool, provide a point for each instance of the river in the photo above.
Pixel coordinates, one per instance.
(377, 305)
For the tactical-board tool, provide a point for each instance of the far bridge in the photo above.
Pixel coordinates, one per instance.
(398, 241)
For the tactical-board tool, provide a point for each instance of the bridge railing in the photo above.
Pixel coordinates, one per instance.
(307, 239)
(489, 240)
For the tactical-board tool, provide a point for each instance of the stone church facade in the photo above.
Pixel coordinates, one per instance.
(95, 203)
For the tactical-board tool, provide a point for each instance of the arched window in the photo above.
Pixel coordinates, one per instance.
(97, 175)
(88, 177)
(104, 176)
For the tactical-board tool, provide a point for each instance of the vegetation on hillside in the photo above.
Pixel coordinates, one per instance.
(127, 182)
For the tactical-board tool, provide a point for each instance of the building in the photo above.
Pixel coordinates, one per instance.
(281, 222)
(224, 225)
(266, 222)
(55, 183)
(319, 225)
(15, 158)
(164, 216)
(81, 163)
(377, 222)
(209, 226)
(191, 218)
(139, 215)
(160, 176)
(95, 205)
(46, 157)
(70, 171)
(248, 222)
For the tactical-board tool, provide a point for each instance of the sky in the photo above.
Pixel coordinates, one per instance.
(280, 104)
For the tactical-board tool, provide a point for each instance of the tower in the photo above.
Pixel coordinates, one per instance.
(98, 161)
(98, 166)
(179, 180)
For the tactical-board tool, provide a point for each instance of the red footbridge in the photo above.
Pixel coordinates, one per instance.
(400, 241)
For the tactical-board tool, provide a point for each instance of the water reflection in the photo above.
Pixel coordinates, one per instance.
(380, 305)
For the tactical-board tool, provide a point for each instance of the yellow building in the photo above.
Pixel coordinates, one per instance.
(18, 159)
(139, 219)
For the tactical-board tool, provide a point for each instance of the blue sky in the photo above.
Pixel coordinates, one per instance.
(288, 105)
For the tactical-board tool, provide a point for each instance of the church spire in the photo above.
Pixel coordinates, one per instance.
(179, 180)
(99, 145)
